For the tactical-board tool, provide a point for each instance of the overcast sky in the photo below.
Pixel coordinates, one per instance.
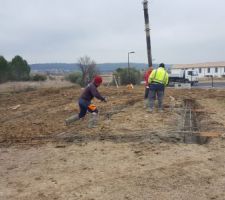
(182, 31)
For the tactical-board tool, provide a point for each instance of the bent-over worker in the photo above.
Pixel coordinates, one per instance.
(85, 103)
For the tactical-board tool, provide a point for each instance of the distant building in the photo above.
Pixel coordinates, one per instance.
(215, 69)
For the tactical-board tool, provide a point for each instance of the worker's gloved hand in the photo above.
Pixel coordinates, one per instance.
(105, 100)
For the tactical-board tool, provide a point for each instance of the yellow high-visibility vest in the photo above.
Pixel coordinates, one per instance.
(159, 76)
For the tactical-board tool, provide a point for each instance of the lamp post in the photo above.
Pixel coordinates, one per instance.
(212, 80)
(128, 67)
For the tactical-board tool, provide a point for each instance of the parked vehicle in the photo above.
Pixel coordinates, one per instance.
(183, 76)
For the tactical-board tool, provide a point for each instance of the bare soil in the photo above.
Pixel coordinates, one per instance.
(131, 154)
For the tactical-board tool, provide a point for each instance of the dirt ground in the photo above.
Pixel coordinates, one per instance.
(131, 154)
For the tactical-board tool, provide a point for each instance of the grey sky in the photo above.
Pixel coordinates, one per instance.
(182, 31)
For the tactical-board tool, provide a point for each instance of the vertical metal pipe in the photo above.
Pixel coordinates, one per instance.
(212, 80)
(147, 30)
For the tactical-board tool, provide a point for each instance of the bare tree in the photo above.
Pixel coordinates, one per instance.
(88, 69)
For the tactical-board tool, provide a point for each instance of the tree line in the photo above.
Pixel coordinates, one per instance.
(15, 70)
(19, 70)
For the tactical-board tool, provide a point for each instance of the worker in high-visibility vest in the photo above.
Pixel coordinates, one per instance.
(157, 80)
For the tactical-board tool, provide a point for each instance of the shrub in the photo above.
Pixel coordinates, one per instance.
(75, 77)
(125, 76)
(51, 78)
(38, 77)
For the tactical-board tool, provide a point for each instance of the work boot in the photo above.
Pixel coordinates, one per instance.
(92, 123)
(71, 119)
(150, 110)
(146, 103)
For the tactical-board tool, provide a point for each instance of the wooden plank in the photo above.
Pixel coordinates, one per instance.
(209, 134)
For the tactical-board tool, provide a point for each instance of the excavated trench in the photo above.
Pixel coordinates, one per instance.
(191, 128)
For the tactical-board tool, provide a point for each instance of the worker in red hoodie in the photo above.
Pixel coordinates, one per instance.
(85, 103)
(146, 76)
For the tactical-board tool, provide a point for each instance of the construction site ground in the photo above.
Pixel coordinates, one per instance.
(131, 154)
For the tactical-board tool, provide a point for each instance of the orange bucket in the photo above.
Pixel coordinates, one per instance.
(92, 107)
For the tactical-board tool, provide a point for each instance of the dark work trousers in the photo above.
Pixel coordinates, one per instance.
(83, 104)
(156, 89)
(146, 92)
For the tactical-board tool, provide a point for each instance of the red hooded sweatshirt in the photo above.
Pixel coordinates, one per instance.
(147, 74)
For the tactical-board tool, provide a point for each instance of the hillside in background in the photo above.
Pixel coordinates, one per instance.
(70, 67)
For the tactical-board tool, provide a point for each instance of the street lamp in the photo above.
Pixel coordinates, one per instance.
(129, 65)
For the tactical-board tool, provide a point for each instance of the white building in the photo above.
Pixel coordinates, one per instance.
(216, 69)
